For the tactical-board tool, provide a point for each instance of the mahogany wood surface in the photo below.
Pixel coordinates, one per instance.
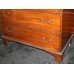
(47, 29)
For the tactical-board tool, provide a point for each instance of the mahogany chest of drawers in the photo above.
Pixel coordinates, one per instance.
(47, 29)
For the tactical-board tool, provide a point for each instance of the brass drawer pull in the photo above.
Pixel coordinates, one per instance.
(10, 30)
(49, 21)
(6, 13)
(49, 40)
(46, 40)
(46, 20)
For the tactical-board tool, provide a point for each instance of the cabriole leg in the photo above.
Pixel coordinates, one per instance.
(58, 57)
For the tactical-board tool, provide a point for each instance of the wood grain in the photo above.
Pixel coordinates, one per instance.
(30, 35)
(48, 29)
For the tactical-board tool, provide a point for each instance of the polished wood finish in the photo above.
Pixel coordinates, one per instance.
(48, 30)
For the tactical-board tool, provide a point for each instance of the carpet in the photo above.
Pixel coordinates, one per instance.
(17, 53)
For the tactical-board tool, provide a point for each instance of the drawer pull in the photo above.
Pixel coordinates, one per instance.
(10, 30)
(49, 40)
(49, 21)
(42, 19)
(6, 13)
(46, 40)
(45, 20)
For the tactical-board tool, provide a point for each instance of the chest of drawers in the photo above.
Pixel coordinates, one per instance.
(49, 30)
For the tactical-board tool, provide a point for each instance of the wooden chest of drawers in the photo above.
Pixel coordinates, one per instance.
(49, 30)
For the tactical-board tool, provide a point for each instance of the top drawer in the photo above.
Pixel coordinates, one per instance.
(30, 13)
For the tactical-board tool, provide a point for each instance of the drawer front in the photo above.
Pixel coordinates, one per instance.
(32, 14)
(48, 41)
(37, 24)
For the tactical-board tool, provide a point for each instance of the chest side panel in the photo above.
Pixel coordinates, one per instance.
(67, 25)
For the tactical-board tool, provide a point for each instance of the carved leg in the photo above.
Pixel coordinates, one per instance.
(58, 57)
(5, 41)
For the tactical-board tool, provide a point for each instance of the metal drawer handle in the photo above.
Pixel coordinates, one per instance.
(10, 30)
(46, 20)
(46, 40)
(6, 13)
(49, 21)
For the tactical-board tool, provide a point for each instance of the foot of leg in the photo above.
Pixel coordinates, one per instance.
(58, 57)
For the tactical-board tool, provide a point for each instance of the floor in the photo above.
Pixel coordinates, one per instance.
(17, 53)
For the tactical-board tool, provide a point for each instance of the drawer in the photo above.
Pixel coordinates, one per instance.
(47, 40)
(51, 19)
(40, 25)
(30, 14)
